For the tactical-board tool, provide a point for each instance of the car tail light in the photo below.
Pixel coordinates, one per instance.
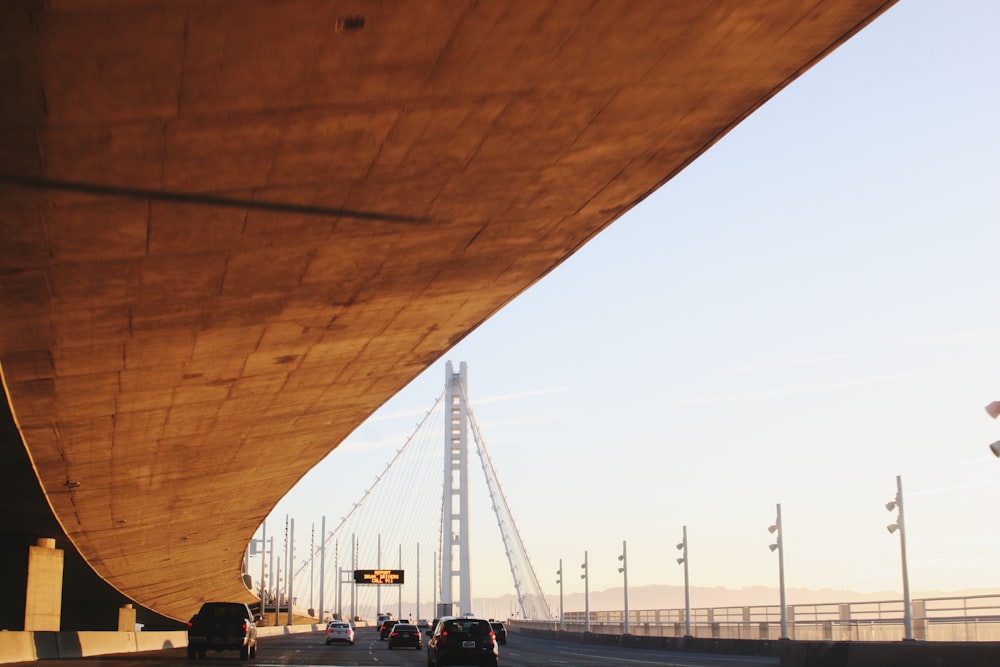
(393, 634)
(244, 626)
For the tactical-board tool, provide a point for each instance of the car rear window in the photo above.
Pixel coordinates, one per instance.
(224, 611)
(404, 627)
(467, 627)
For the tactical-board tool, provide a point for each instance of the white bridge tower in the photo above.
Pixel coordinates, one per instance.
(455, 511)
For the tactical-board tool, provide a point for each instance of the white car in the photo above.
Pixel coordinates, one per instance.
(339, 631)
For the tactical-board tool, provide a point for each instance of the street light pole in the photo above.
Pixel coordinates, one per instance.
(562, 619)
(683, 560)
(779, 545)
(263, 560)
(312, 567)
(354, 582)
(901, 527)
(378, 564)
(274, 579)
(290, 573)
(624, 570)
(586, 593)
(322, 569)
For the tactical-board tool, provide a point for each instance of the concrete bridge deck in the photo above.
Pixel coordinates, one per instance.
(232, 230)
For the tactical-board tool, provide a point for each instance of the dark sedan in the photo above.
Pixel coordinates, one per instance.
(405, 635)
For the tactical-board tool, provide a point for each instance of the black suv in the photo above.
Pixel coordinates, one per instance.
(386, 627)
(462, 641)
(499, 631)
(223, 626)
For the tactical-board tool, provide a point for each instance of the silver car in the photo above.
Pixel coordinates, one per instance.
(339, 631)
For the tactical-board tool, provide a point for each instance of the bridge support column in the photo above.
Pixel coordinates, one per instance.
(43, 599)
(126, 618)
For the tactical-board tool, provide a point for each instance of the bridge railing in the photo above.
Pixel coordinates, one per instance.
(960, 619)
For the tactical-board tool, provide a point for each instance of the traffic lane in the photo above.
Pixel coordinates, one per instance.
(526, 651)
(519, 651)
(309, 649)
(306, 649)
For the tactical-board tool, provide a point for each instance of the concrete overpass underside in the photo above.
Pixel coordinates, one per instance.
(232, 230)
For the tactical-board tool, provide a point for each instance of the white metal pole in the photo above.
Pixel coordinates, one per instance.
(285, 590)
(354, 585)
(338, 601)
(263, 560)
(781, 575)
(624, 570)
(418, 583)
(291, 573)
(907, 612)
(312, 567)
(562, 618)
(278, 594)
(274, 580)
(322, 568)
(378, 564)
(586, 593)
(687, 587)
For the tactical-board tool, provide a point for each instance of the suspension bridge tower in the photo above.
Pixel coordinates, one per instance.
(455, 514)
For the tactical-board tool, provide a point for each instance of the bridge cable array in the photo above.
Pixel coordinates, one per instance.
(397, 524)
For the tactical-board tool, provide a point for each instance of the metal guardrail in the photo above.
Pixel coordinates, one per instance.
(959, 619)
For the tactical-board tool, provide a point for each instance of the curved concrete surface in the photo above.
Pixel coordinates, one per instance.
(232, 230)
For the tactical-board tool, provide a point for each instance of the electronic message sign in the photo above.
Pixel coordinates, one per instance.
(378, 576)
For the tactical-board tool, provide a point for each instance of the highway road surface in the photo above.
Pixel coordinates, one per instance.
(307, 649)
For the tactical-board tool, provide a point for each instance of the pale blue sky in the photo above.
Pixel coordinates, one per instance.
(807, 311)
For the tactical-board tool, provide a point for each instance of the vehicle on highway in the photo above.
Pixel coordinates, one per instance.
(223, 626)
(405, 634)
(462, 641)
(386, 627)
(500, 630)
(339, 631)
(423, 623)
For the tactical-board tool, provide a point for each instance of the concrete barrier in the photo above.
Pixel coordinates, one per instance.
(273, 630)
(17, 646)
(879, 654)
(793, 653)
(31, 646)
